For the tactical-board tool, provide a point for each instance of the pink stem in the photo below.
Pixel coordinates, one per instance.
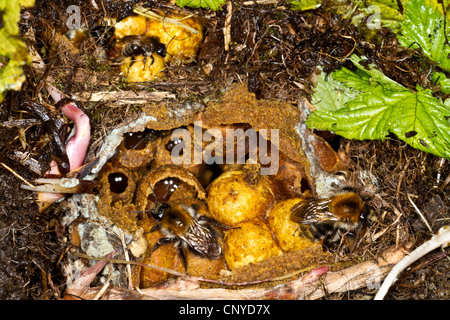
(76, 146)
(55, 93)
(314, 274)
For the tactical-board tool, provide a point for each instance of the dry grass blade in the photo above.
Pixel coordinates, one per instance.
(153, 15)
(227, 28)
(260, 2)
(31, 186)
(438, 240)
(420, 213)
(123, 97)
(63, 185)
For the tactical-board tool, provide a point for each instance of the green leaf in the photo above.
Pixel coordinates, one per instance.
(303, 5)
(423, 27)
(385, 12)
(440, 79)
(366, 76)
(214, 5)
(381, 106)
(13, 51)
(331, 94)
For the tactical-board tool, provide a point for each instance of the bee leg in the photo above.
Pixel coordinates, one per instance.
(333, 235)
(183, 257)
(145, 61)
(132, 61)
(358, 234)
(216, 223)
(159, 243)
(313, 232)
(156, 227)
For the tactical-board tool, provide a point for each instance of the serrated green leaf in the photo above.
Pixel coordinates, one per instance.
(423, 27)
(424, 114)
(330, 94)
(366, 117)
(372, 75)
(214, 5)
(383, 106)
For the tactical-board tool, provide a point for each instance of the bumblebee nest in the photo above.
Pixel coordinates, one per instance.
(118, 221)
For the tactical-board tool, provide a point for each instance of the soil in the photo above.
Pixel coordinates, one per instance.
(275, 51)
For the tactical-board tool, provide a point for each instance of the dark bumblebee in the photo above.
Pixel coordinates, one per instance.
(183, 226)
(103, 34)
(134, 46)
(327, 219)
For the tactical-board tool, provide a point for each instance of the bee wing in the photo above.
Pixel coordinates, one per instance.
(312, 211)
(202, 241)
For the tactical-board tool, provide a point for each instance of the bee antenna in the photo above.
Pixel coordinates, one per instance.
(156, 200)
(170, 41)
(154, 194)
(167, 45)
(173, 37)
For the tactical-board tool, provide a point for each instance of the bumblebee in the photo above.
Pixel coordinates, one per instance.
(103, 31)
(327, 219)
(145, 46)
(103, 34)
(183, 226)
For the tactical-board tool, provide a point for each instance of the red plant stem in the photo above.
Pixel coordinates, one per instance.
(76, 145)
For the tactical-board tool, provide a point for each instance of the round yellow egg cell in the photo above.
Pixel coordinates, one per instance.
(249, 242)
(286, 231)
(182, 40)
(232, 198)
(132, 25)
(138, 73)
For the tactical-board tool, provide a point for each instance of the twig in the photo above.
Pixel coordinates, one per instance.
(127, 258)
(52, 285)
(227, 28)
(420, 213)
(17, 175)
(63, 185)
(153, 15)
(438, 240)
(438, 176)
(260, 2)
(103, 289)
(380, 233)
(446, 182)
(400, 180)
(123, 97)
(20, 123)
(94, 5)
